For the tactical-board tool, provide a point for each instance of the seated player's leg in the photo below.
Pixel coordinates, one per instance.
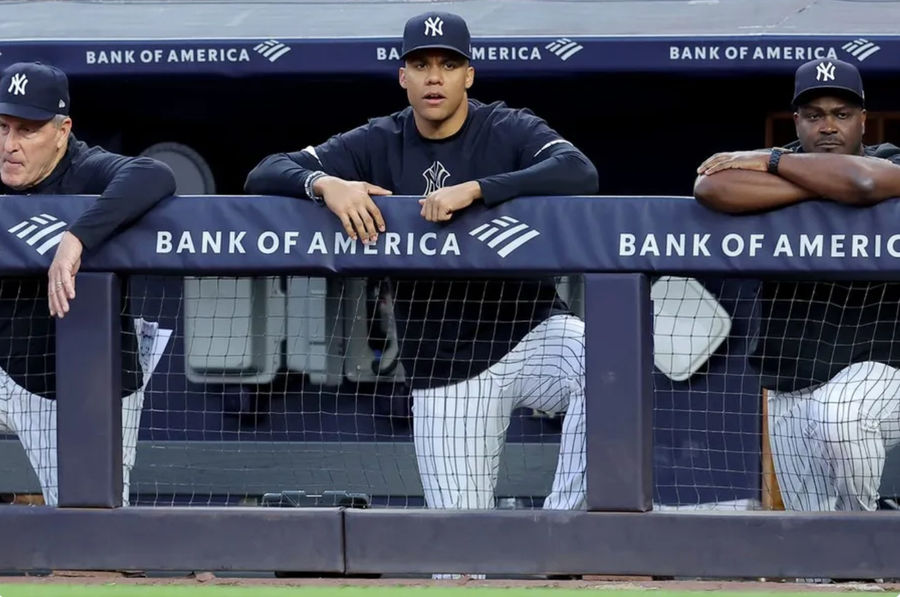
(890, 430)
(797, 454)
(849, 411)
(459, 432)
(33, 419)
(5, 423)
(550, 377)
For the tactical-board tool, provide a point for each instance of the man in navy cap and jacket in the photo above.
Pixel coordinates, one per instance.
(827, 351)
(40, 155)
(473, 349)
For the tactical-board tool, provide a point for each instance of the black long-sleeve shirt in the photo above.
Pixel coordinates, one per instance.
(127, 188)
(450, 330)
(811, 330)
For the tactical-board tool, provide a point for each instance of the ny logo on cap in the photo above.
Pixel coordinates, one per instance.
(434, 26)
(825, 71)
(17, 84)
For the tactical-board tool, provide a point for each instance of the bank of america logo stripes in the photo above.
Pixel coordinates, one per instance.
(504, 234)
(564, 48)
(860, 48)
(40, 229)
(272, 49)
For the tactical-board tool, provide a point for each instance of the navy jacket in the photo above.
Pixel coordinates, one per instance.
(450, 330)
(127, 187)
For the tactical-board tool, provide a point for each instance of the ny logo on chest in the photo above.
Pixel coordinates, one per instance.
(435, 176)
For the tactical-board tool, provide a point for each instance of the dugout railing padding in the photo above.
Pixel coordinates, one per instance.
(618, 535)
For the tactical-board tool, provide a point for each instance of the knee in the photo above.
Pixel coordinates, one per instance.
(568, 331)
(573, 358)
(839, 429)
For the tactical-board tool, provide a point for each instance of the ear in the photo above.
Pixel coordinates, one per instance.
(402, 77)
(64, 129)
(796, 121)
(864, 121)
(470, 77)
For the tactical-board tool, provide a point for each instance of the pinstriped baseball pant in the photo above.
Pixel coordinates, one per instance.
(829, 442)
(459, 430)
(33, 419)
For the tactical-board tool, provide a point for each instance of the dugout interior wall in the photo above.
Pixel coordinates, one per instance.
(619, 120)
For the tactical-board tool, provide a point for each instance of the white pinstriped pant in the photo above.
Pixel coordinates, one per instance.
(459, 430)
(829, 442)
(33, 419)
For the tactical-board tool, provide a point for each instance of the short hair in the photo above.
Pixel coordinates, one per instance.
(58, 119)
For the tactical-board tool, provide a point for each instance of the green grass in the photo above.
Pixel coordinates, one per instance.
(124, 590)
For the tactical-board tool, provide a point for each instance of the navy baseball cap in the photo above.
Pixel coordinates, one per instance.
(437, 30)
(34, 91)
(821, 77)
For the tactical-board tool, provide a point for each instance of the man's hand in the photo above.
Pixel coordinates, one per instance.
(351, 201)
(440, 205)
(61, 275)
(740, 160)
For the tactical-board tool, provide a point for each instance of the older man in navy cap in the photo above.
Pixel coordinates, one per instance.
(473, 350)
(827, 352)
(40, 155)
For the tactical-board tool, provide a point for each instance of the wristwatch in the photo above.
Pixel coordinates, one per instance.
(775, 158)
(308, 187)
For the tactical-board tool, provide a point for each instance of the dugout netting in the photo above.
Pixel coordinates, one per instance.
(813, 356)
(273, 386)
(295, 384)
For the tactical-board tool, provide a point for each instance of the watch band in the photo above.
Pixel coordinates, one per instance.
(774, 159)
(308, 187)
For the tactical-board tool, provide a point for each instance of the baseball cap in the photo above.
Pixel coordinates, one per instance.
(818, 77)
(34, 91)
(437, 30)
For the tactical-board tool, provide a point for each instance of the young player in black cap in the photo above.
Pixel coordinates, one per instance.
(827, 352)
(474, 349)
(40, 155)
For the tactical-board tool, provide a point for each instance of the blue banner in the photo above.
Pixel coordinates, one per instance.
(726, 55)
(531, 235)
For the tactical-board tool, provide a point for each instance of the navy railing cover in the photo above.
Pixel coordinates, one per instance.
(531, 235)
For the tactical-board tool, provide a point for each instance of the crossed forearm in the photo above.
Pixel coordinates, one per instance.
(740, 191)
(849, 179)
